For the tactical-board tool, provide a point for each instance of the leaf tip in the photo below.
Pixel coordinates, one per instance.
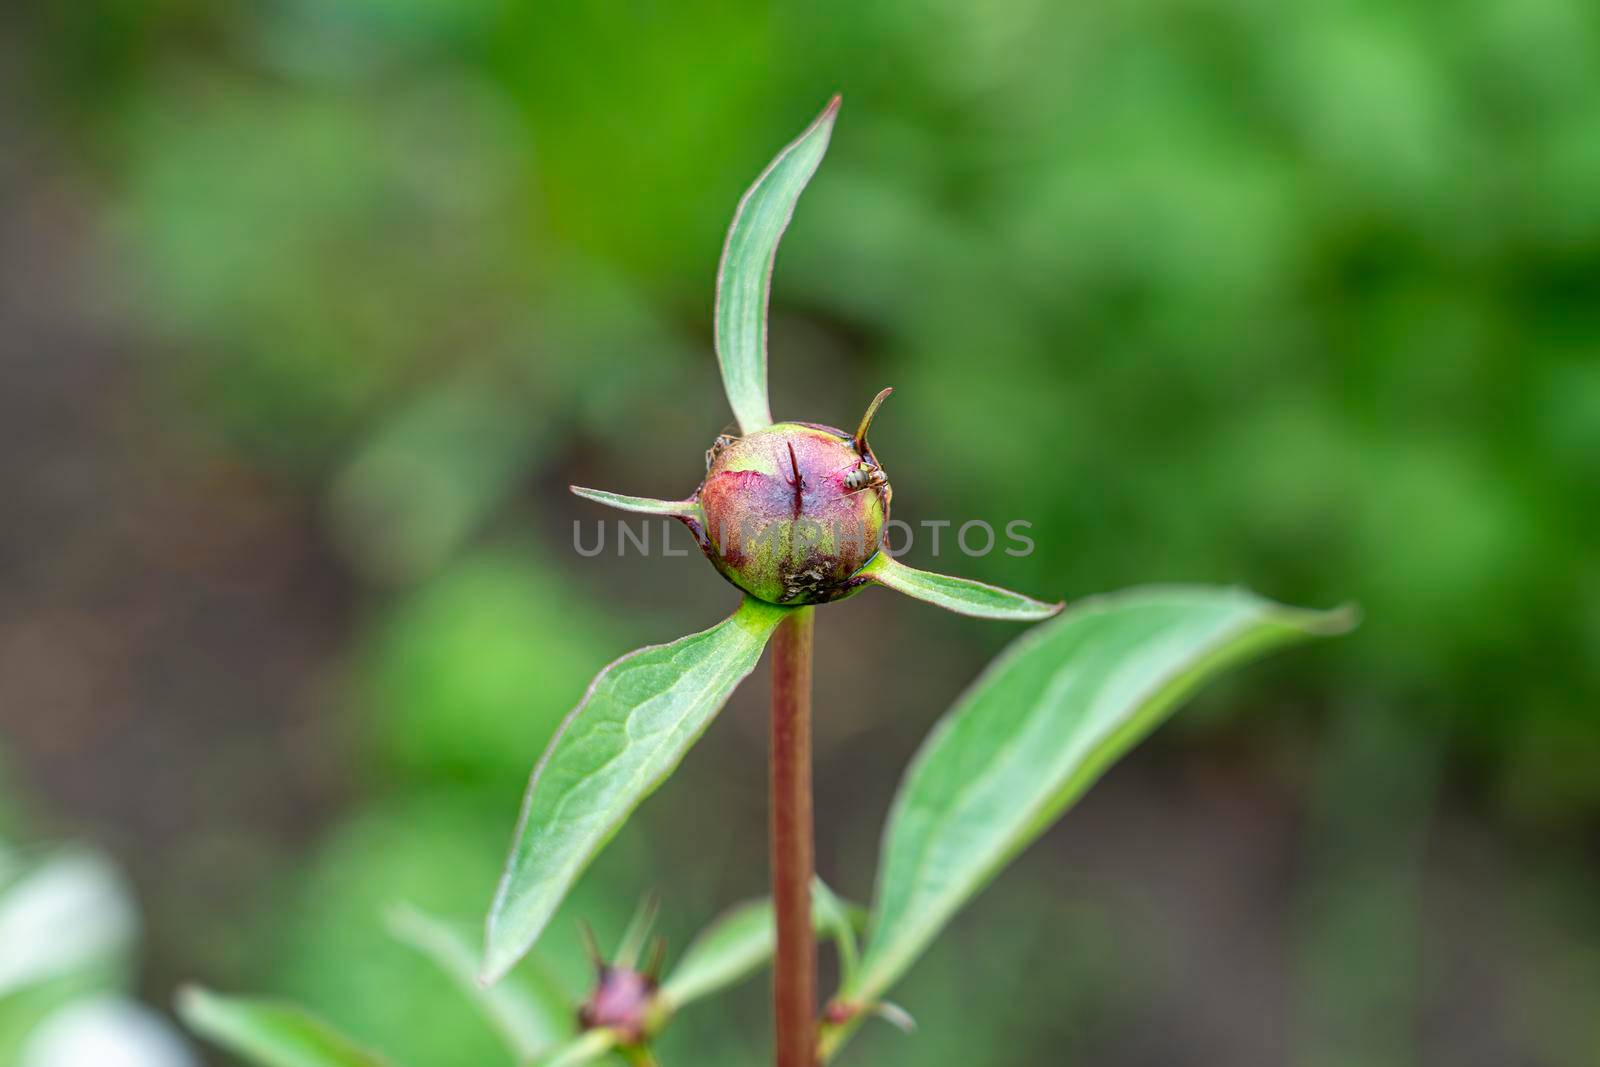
(895, 1016)
(824, 120)
(1335, 621)
(497, 960)
(188, 999)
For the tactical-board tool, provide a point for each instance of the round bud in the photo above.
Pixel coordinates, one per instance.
(794, 511)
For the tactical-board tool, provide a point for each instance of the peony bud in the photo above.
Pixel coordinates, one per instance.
(625, 1000)
(793, 511)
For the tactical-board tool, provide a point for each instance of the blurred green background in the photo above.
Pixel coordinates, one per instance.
(310, 310)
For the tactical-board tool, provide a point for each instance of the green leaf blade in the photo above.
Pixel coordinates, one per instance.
(833, 918)
(961, 595)
(734, 946)
(1037, 728)
(269, 1033)
(744, 277)
(741, 941)
(585, 1048)
(633, 727)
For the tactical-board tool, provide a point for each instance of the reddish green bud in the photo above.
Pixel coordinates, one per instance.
(623, 1001)
(793, 511)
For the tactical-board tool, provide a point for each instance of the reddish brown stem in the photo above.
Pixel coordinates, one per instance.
(795, 966)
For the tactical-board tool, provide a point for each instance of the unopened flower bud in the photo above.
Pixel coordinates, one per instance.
(623, 1001)
(793, 511)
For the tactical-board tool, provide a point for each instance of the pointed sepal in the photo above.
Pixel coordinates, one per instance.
(866, 420)
(744, 277)
(643, 505)
(961, 595)
(637, 931)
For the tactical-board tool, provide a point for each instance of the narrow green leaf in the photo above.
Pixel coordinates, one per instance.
(268, 1033)
(1036, 729)
(585, 1048)
(630, 731)
(741, 941)
(834, 919)
(530, 1016)
(961, 595)
(733, 947)
(744, 278)
(642, 504)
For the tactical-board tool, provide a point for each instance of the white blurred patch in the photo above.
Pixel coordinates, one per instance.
(105, 1032)
(68, 913)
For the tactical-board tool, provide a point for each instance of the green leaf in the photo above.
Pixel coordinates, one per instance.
(630, 731)
(269, 1033)
(1036, 729)
(643, 504)
(744, 278)
(741, 941)
(585, 1048)
(833, 917)
(530, 1017)
(961, 595)
(733, 947)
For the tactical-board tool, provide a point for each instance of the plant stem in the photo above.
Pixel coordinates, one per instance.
(794, 986)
